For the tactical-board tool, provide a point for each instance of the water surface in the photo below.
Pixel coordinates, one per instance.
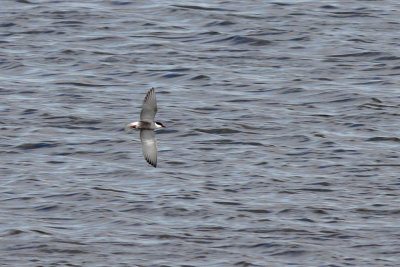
(282, 146)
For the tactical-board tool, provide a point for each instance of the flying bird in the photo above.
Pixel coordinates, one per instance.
(147, 125)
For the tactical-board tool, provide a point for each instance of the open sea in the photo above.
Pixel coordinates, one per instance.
(282, 145)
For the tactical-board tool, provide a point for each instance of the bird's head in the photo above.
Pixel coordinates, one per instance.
(160, 125)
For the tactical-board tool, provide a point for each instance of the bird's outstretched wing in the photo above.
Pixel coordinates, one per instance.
(149, 146)
(149, 108)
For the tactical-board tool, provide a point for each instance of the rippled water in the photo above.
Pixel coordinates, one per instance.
(282, 146)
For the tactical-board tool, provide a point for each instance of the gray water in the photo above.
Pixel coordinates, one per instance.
(281, 147)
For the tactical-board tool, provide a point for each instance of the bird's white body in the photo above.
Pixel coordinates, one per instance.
(146, 126)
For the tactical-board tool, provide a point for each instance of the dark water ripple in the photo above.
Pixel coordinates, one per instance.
(282, 146)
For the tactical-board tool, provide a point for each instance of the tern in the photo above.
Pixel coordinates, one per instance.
(147, 125)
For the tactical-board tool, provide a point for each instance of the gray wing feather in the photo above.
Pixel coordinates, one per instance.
(149, 108)
(149, 146)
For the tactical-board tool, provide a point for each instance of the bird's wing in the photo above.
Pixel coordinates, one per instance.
(149, 108)
(149, 146)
